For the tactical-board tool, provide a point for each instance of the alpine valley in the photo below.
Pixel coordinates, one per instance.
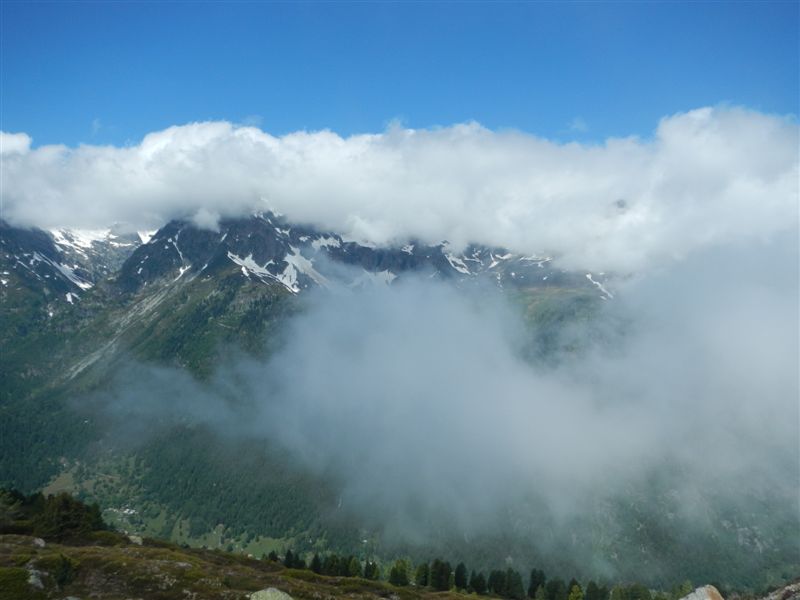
(82, 309)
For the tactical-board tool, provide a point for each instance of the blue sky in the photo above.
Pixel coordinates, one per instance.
(110, 72)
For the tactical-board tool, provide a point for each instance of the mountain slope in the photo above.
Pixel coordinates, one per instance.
(188, 298)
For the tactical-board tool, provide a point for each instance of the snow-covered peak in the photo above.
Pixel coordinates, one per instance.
(80, 239)
(96, 252)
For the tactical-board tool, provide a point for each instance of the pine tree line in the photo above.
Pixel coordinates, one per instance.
(439, 575)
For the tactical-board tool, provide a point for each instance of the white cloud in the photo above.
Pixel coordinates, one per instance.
(14, 143)
(206, 219)
(707, 176)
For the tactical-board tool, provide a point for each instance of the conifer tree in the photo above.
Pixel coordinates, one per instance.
(593, 592)
(398, 575)
(541, 594)
(460, 576)
(421, 577)
(344, 566)
(471, 580)
(354, 568)
(556, 589)
(446, 576)
(575, 593)
(477, 583)
(288, 560)
(619, 592)
(316, 564)
(330, 566)
(639, 592)
(495, 582)
(440, 575)
(514, 586)
(536, 580)
(273, 556)
(371, 570)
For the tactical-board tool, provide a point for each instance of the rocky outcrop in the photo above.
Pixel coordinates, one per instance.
(270, 594)
(787, 592)
(707, 592)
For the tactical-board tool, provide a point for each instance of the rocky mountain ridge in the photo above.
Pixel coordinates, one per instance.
(270, 249)
(65, 263)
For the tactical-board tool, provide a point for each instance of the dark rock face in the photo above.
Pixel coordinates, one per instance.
(29, 258)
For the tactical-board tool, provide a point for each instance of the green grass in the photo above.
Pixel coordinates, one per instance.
(14, 585)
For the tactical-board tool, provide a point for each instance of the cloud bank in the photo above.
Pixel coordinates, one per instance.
(428, 384)
(708, 176)
(416, 397)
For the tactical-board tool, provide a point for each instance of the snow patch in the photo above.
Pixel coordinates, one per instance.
(181, 271)
(539, 260)
(250, 266)
(457, 264)
(496, 259)
(600, 286)
(80, 238)
(178, 250)
(302, 265)
(146, 236)
(66, 271)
